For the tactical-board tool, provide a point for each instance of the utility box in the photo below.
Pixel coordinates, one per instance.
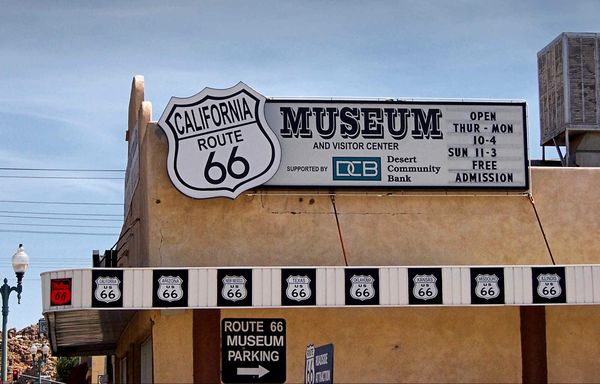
(569, 91)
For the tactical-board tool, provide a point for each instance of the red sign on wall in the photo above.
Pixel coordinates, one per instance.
(60, 292)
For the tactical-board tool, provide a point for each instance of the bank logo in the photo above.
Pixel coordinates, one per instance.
(357, 168)
(298, 288)
(234, 288)
(549, 285)
(169, 288)
(107, 289)
(487, 286)
(362, 287)
(219, 142)
(425, 287)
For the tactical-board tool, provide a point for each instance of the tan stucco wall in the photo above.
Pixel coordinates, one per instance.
(98, 368)
(568, 201)
(172, 345)
(573, 344)
(404, 345)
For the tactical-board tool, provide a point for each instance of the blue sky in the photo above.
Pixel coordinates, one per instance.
(66, 69)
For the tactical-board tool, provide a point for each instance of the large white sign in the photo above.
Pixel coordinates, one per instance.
(223, 142)
(401, 144)
(219, 142)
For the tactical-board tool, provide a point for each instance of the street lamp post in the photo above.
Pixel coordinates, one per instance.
(39, 362)
(20, 262)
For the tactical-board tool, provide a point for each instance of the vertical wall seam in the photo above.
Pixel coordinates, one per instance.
(337, 221)
(537, 216)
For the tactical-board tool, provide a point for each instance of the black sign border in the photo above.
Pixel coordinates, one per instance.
(183, 274)
(118, 273)
(348, 273)
(67, 280)
(312, 275)
(247, 274)
(499, 272)
(560, 271)
(437, 272)
(280, 373)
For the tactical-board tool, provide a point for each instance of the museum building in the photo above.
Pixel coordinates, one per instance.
(288, 240)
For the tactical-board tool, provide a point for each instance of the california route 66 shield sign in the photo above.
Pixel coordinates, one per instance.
(107, 290)
(219, 142)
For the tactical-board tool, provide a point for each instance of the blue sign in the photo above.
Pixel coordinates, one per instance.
(357, 168)
(319, 364)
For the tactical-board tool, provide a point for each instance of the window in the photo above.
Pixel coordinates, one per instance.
(146, 361)
(124, 370)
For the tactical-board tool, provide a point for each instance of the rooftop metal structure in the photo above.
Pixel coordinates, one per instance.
(569, 96)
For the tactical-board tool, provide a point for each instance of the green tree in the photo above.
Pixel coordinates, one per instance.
(64, 366)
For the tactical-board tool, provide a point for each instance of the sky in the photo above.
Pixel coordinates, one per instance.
(66, 69)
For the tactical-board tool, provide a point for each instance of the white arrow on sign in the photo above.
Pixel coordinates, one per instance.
(260, 371)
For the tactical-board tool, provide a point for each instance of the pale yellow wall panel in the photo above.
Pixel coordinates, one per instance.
(568, 202)
(573, 344)
(440, 230)
(98, 368)
(172, 346)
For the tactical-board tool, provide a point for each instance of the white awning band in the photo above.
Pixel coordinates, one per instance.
(161, 288)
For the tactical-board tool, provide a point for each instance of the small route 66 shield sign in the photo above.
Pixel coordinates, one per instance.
(170, 288)
(107, 288)
(60, 291)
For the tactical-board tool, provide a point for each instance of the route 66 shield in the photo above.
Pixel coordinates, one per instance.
(362, 287)
(487, 286)
(60, 291)
(234, 288)
(107, 289)
(298, 288)
(219, 142)
(169, 288)
(425, 287)
(309, 365)
(549, 285)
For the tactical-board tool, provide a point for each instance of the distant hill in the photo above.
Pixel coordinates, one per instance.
(19, 357)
